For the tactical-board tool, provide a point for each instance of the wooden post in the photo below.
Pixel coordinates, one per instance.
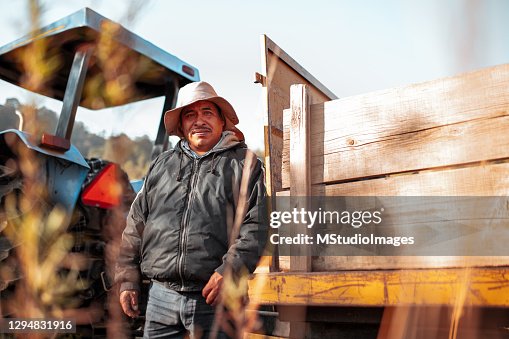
(300, 169)
(300, 189)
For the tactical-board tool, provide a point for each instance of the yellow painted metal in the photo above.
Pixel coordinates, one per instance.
(466, 286)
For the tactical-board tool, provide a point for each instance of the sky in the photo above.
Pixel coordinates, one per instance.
(351, 46)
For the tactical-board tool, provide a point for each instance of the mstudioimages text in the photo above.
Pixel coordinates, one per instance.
(338, 239)
(355, 219)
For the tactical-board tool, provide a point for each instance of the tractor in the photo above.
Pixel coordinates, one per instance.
(99, 64)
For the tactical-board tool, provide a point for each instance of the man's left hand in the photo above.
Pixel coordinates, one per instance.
(212, 290)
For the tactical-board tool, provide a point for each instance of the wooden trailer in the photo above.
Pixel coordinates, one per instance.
(447, 137)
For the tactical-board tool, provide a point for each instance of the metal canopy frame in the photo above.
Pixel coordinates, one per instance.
(84, 26)
(72, 39)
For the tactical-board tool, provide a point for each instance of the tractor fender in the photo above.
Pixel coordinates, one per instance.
(65, 171)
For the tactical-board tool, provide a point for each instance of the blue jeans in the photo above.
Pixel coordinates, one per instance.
(172, 314)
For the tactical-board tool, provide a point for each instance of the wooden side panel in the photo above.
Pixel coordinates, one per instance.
(440, 138)
(439, 123)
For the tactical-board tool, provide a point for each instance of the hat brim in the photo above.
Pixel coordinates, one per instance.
(172, 117)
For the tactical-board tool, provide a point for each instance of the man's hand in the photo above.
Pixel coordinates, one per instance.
(212, 290)
(129, 303)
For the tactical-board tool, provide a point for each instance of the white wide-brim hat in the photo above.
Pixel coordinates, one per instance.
(199, 91)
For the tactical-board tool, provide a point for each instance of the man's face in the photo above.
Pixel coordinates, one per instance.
(202, 125)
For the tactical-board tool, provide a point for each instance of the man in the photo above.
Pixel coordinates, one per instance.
(199, 214)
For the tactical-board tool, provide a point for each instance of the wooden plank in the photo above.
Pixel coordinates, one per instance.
(438, 123)
(300, 171)
(482, 286)
(338, 263)
(347, 263)
(267, 123)
(485, 179)
(300, 177)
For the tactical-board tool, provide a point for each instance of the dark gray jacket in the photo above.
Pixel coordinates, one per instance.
(179, 225)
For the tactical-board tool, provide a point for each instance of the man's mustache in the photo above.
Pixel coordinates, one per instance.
(201, 129)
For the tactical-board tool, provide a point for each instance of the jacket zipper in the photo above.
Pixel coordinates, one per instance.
(180, 257)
